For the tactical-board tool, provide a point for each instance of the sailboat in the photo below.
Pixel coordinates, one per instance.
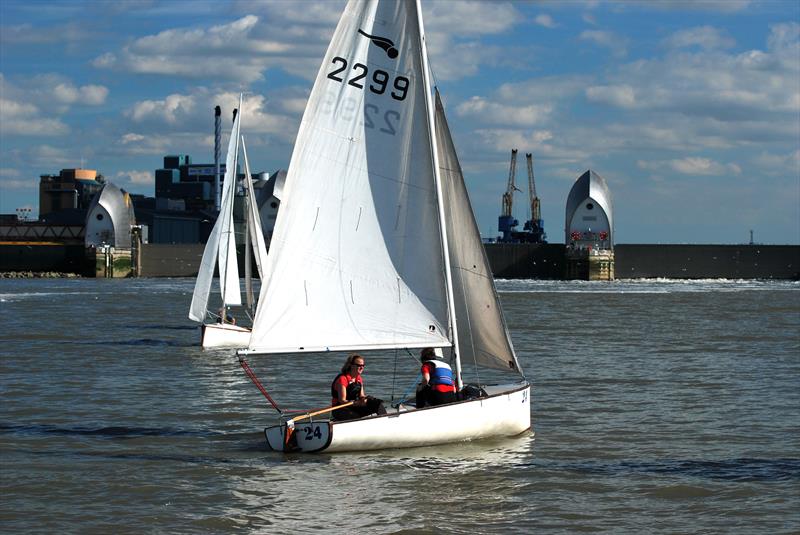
(376, 248)
(221, 251)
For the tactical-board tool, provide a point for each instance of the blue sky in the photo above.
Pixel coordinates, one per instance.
(689, 110)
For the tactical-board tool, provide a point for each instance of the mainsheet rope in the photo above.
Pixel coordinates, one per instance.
(252, 376)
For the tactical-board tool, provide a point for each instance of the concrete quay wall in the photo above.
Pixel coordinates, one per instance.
(508, 261)
(671, 261)
(674, 261)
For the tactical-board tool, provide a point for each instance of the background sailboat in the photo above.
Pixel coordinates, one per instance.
(375, 246)
(221, 251)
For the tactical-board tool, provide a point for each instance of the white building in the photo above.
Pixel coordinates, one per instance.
(110, 218)
(589, 219)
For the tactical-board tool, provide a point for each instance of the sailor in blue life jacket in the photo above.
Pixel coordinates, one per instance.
(349, 386)
(438, 385)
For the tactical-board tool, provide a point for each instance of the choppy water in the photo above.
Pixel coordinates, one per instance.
(658, 406)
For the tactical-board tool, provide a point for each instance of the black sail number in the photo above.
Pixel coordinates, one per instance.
(332, 75)
(378, 82)
(354, 81)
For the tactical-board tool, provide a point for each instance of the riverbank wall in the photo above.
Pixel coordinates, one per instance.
(508, 261)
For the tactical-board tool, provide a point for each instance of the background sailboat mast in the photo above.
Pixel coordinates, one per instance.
(439, 196)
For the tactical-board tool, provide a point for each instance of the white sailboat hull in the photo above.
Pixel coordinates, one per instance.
(504, 413)
(224, 335)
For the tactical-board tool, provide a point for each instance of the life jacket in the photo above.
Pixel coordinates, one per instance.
(441, 376)
(353, 389)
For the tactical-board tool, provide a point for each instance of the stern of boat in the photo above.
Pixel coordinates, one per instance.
(219, 335)
(305, 438)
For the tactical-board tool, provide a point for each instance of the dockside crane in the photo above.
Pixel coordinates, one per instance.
(506, 222)
(535, 225)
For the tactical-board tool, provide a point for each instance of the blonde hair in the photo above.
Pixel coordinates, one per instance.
(349, 362)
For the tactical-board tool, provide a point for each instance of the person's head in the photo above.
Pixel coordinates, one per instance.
(354, 364)
(428, 354)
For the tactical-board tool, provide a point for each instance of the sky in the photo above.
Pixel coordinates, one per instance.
(689, 110)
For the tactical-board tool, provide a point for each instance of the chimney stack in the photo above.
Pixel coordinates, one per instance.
(217, 134)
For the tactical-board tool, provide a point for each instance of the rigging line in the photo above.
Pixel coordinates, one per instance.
(407, 393)
(394, 375)
(415, 359)
(251, 374)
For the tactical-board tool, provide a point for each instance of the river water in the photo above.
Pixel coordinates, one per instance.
(658, 407)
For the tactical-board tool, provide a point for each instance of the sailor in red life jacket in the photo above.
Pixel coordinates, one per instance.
(438, 386)
(348, 386)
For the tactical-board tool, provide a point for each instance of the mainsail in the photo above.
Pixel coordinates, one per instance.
(222, 233)
(482, 335)
(356, 259)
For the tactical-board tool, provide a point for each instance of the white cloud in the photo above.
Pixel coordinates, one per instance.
(616, 43)
(470, 17)
(173, 109)
(136, 177)
(132, 144)
(545, 20)
(712, 84)
(24, 119)
(35, 106)
(51, 157)
(706, 37)
(131, 138)
(91, 95)
(493, 113)
(11, 178)
(726, 6)
(105, 61)
(233, 51)
(622, 96)
(788, 164)
(702, 166)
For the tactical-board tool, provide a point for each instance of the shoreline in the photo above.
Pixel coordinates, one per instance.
(38, 275)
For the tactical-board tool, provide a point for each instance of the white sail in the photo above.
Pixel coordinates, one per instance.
(482, 335)
(223, 229)
(356, 259)
(255, 233)
(202, 286)
(226, 258)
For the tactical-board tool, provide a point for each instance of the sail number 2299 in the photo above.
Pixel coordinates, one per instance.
(378, 83)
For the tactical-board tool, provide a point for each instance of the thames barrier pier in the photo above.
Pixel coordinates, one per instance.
(589, 230)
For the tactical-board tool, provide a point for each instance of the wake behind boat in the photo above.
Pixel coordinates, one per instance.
(376, 248)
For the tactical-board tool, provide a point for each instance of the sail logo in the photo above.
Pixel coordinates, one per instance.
(382, 42)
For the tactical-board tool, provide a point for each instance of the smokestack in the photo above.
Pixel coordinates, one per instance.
(217, 134)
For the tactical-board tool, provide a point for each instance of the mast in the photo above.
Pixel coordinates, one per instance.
(250, 204)
(248, 276)
(439, 198)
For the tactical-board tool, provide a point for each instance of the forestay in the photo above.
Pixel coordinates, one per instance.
(482, 334)
(356, 259)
